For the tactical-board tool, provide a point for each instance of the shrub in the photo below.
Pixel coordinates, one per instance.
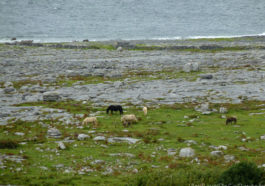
(245, 173)
(182, 176)
(8, 144)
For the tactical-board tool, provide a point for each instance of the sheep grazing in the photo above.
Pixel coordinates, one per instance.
(128, 119)
(231, 120)
(145, 111)
(92, 120)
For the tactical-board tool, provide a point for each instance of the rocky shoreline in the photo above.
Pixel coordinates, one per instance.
(141, 72)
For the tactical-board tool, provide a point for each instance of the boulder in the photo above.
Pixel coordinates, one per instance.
(186, 152)
(51, 96)
(262, 137)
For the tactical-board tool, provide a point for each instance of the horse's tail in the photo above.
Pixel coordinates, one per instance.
(107, 111)
(121, 111)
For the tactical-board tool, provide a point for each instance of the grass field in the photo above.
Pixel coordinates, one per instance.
(39, 161)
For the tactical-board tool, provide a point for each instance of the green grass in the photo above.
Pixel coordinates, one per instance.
(158, 131)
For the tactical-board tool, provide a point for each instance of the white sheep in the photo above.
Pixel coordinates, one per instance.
(145, 111)
(92, 120)
(128, 119)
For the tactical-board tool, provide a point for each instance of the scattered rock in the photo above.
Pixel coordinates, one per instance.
(206, 76)
(9, 90)
(217, 153)
(54, 133)
(82, 136)
(262, 137)
(61, 145)
(243, 148)
(98, 162)
(222, 147)
(123, 139)
(186, 152)
(119, 49)
(8, 84)
(129, 155)
(229, 158)
(223, 110)
(191, 67)
(108, 171)
(19, 133)
(99, 138)
(190, 142)
(135, 171)
(171, 152)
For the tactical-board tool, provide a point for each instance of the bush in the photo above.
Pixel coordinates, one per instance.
(8, 144)
(245, 173)
(182, 176)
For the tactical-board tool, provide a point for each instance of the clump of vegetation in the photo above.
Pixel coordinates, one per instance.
(245, 173)
(180, 177)
(8, 144)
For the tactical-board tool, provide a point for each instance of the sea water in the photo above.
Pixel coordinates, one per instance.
(68, 20)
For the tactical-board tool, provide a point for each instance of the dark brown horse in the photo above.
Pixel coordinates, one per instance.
(114, 108)
(231, 120)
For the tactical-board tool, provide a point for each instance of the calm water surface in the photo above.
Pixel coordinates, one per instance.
(67, 20)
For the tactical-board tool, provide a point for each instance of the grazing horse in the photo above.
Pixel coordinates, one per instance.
(231, 120)
(114, 108)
